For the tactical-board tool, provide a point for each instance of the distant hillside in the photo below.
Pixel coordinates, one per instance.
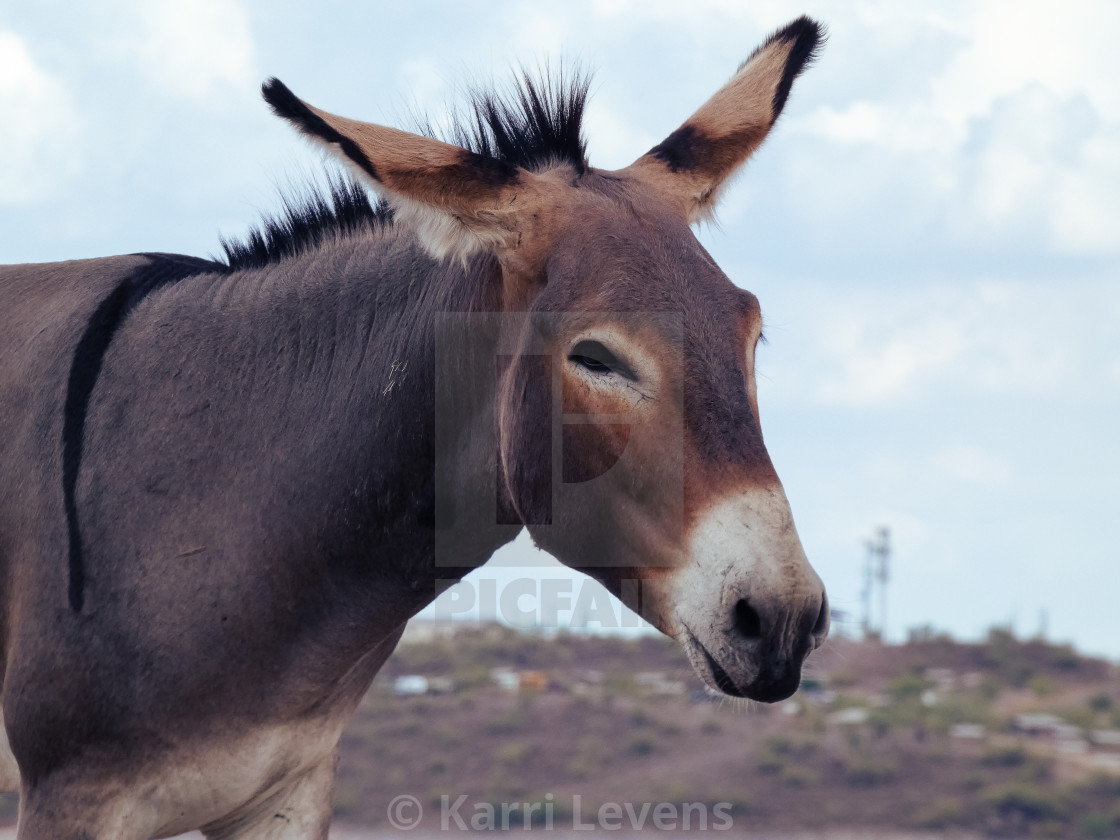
(927, 735)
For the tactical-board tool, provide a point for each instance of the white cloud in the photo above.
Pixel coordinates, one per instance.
(547, 30)
(974, 465)
(906, 129)
(1086, 209)
(424, 81)
(189, 48)
(40, 131)
(877, 346)
(695, 15)
(615, 141)
(1010, 45)
(1015, 133)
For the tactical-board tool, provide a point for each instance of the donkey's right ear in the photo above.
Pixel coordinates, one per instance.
(459, 201)
(691, 164)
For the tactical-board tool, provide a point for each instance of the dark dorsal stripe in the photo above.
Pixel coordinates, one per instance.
(84, 370)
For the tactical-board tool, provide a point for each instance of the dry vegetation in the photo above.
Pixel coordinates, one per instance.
(599, 732)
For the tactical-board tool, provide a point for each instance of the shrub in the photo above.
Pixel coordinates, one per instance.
(942, 814)
(1101, 825)
(770, 765)
(641, 746)
(1064, 658)
(1037, 768)
(1043, 685)
(779, 744)
(512, 753)
(1081, 716)
(990, 688)
(799, 777)
(592, 754)
(471, 676)
(1022, 803)
(861, 772)
(956, 709)
(973, 782)
(843, 679)
(1101, 784)
(1004, 756)
(1100, 703)
(908, 686)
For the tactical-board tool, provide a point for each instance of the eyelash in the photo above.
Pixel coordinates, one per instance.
(598, 360)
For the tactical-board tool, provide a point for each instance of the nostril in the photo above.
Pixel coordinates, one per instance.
(821, 627)
(747, 620)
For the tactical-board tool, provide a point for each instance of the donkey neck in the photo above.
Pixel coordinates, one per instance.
(321, 367)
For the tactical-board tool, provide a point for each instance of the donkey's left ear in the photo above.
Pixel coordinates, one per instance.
(691, 164)
(459, 201)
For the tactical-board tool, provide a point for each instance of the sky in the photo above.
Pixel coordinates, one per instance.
(933, 231)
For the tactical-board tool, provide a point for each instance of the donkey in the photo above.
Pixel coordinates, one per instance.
(225, 487)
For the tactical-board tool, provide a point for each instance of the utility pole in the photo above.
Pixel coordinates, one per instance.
(884, 575)
(876, 569)
(868, 584)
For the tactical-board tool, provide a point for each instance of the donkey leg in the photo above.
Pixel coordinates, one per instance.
(63, 818)
(299, 811)
(9, 770)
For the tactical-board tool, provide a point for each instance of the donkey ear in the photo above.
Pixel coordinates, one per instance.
(460, 202)
(693, 162)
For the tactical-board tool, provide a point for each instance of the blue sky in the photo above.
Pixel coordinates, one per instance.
(933, 231)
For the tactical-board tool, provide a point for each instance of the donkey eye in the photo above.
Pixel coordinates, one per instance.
(590, 364)
(595, 358)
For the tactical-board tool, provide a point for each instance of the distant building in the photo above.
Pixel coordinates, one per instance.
(532, 681)
(507, 678)
(849, 717)
(410, 685)
(1107, 761)
(1041, 724)
(1106, 739)
(968, 731)
(420, 630)
(1065, 736)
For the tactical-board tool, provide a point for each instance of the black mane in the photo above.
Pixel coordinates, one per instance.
(306, 221)
(535, 123)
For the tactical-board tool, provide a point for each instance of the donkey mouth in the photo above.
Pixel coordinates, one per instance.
(722, 681)
(765, 687)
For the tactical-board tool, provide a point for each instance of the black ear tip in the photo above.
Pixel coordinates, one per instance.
(271, 87)
(807, 36)
(284, 103)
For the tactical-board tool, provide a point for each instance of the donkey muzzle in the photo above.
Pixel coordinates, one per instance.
(759, 651)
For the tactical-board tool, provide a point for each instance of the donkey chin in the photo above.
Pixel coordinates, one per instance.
(747, 607)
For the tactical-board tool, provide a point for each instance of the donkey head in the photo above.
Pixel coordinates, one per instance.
(643, 350)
